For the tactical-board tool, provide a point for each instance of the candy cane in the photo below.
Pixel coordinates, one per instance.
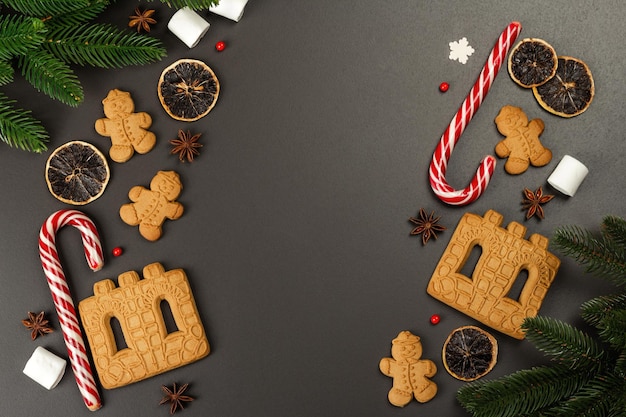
(61, 293)
(450, 137)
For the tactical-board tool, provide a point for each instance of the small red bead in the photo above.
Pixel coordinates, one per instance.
(444, 86)
(435, 319)
(220, 46)
(117, 251)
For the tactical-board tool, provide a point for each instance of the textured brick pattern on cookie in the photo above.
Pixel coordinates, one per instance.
(505, 254)
(150, 350)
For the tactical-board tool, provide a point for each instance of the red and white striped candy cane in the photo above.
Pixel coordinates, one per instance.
(438, 166)
(61, 293)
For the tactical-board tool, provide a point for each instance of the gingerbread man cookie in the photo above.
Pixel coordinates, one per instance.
(521, 144)
(410, 373)
(126, 128)
(150, 208)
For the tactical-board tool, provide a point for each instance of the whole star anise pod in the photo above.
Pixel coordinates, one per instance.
(532, 202)
(142, 19)
(426, 225)
(37, 324)
(175, 397)
(186, 146)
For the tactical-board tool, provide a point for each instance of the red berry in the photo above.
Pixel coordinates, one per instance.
(220, 46)
(443, 87)
(435, 319)
(117, 251)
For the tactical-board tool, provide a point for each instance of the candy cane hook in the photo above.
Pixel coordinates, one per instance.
(61, 294)
(449, 139)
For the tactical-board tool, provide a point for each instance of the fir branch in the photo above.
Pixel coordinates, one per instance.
(6, 72)
(614, 228)
(596, 310)
(47, 8)
(19, 129)
(192, 4)
(81, 14)
(600, 256)
(19, 35)
(598, 398)
(521, 393)
(566, 344)
(51, 76)
(103, 45)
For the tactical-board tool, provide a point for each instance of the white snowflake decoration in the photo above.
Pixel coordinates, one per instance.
(460, 50)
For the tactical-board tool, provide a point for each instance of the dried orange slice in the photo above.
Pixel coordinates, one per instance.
(469, 353)
(532, 62)
(570, 91)
(188, 89)
(77, 173)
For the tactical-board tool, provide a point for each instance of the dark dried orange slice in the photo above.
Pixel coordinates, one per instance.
(77, 173)
(188, 89)
(532, 62)
(570, 91)
(469, 353)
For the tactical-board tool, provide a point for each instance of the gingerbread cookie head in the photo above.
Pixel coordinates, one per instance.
(521, 145)
(167, 183)
(406, 347)
(410, 373)
(118, 104)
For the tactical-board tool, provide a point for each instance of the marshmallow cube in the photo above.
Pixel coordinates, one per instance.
(188, 26)
(45, 368)
(230, 9)
(568, 175)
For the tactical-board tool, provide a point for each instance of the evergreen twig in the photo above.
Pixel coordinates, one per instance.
(19, 129)
(51, 76)
(599, 255)
(566, 344)
(103, 45)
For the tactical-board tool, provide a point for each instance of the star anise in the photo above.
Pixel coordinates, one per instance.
(142, 19)
(175, 397)
(37, 324)
(532, 202)
(186, 146)
(426, 225)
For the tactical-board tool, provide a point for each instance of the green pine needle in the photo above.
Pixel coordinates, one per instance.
(103, 45)
(19, 35)
(6, 72)
(600, 255)
(566, 344)
(82, 13)
(614, 228)
(51, 76)
(521, 393)
(46, 8)
(192, 4)
(19, 129)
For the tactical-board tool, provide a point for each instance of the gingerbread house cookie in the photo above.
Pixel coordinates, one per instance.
(136, 304)
(505, 255)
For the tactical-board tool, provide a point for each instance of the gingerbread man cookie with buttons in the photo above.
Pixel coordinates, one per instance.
(127, 129)
(410, 373)
(151, 207)
(521, 145)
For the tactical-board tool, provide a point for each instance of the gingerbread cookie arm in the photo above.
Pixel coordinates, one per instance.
(102, 126)
(174, 210)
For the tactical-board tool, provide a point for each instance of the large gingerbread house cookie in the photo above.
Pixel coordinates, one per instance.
(150, 348)
(505, 255)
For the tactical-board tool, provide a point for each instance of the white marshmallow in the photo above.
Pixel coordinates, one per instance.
(568, 175)
(45, 368)
(188, 26)
(230, 9)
